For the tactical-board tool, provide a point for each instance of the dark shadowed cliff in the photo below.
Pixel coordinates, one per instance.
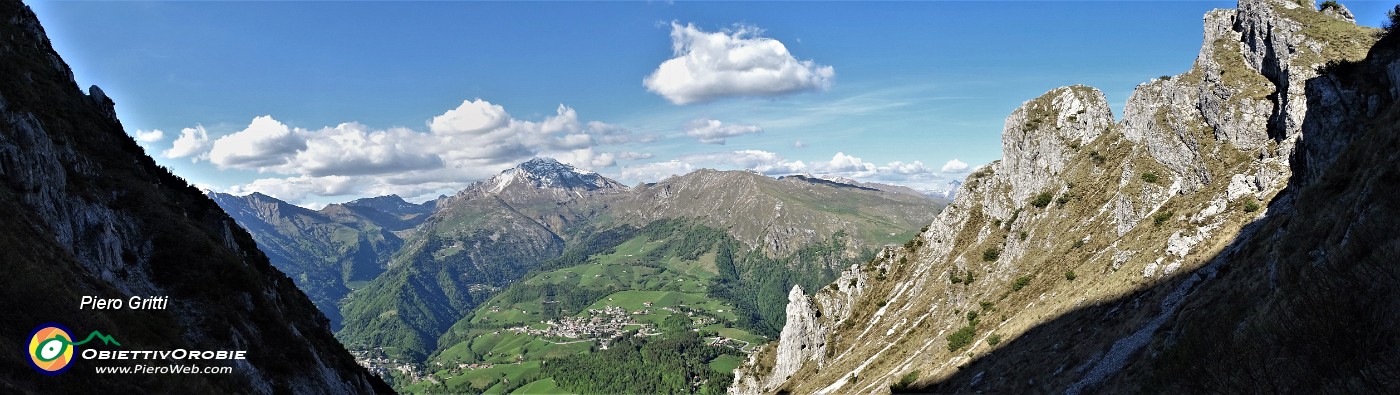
(84, 212)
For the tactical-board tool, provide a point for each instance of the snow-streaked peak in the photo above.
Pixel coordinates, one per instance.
(543, 173)
(839, 179)
(947, 191)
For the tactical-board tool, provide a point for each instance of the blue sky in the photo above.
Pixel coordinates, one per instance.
(319, 102)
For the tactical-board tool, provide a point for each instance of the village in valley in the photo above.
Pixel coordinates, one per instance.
(612, 322)
(604, 325)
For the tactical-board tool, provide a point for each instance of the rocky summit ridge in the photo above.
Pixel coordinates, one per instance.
(1101, 254)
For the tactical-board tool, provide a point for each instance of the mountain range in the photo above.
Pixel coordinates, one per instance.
(401, 275)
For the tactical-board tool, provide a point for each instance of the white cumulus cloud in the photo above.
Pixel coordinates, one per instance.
(586, 158)
(473, 116)
(631, 155)
(841, 165)
(761, 161)
(149, 136)
(353, 149)
(845, 166)
(487, 135)
(711, 131)
(293, 189)
(916, 167)
(264, 143)
(737, 62)
(913, 174)
(954, 166)
(193, 143)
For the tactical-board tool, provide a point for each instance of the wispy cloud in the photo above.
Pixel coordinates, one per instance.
(912, 173)
(712, 131)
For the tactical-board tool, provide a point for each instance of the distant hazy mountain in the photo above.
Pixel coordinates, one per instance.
(391, 212)
(325, 252)
(948, 191)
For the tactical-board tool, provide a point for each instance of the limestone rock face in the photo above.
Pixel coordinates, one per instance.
(835, 302)
(1274, 46)
(802, 341)
(803, 338)
(1042, 135)
(1160, 116)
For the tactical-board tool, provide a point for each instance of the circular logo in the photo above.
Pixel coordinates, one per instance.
(50, 348)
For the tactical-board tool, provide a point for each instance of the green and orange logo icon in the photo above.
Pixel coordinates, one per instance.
(51, 347)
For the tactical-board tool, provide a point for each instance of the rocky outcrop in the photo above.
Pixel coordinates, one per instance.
(1043, 134)
(803, 339)
(1141, 203)
(1339, 11)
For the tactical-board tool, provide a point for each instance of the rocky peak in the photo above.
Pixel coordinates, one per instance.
(386, 200)
(258, 208)
(389, 204)
(1339, 11)
(803, 340)
(1286, 42)
(1042, 134)
(544, 173)
(259, 199)
(1247, 87)
(104, 103)
(949, 191)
